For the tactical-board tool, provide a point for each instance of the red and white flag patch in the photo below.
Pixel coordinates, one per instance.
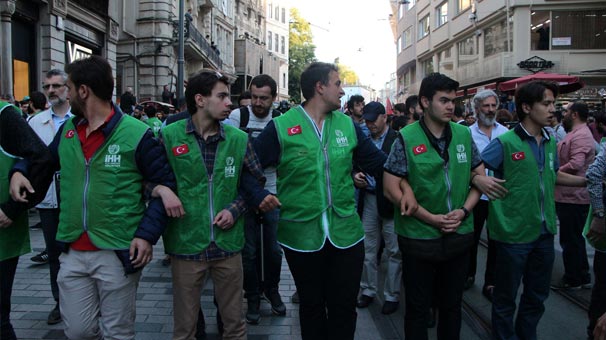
(180, 150)
(518, 156)
(70, 133)
(419, 149)
(295, 130)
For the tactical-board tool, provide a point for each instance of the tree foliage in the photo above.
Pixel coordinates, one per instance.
(301, 52)
(347, 75)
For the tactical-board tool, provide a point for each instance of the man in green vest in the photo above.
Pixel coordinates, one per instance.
(17, 139)
(437, 159)
(105, 228)
(154, 123)
(523, 223)
(314, 148)
(217, 170)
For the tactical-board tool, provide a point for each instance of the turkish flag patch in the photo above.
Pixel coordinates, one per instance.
(70, 133)
(518, 156)
(295, 130)
(180, 150)
(419, 149)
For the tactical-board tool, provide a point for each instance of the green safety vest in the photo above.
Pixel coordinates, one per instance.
(518, 217)
(203, 196)
(14, 240)
(315, 177)
(103, 196)
(438, 187)
(155, 124)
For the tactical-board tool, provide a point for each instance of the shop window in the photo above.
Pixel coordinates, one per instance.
(578, 30)
(540, 27)
(20, 79)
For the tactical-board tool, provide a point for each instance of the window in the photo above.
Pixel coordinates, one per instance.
(277, 42)
(427, 66)
(423, 27)
(284, 80)
(400, 11)
(467, 51)
(407, 38)
(463, 5)
(495, 38)
(283, 15)
(269, 41)
(271, 10)
(277, 17)
(283, 45)
(410, 4)
(568, 30)
(399, 45)
(442, 14)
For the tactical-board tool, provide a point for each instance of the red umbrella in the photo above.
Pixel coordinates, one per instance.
(565, 83)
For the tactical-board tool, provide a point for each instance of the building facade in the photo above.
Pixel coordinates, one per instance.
(482, 43)
(278, 18)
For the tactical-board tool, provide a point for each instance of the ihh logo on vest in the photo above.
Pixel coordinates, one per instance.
(461, 155)
(112, 160)
(230, 168)
(551, 161)
(341, 138)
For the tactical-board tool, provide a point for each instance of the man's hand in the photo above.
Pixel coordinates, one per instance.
(172, 203)
(18, 187)
(359, 179)
(446, 223)
(270, 202)
(143, 250)
(224, 219)
(596, 230)
(490, 186)
(4, 220)
(408, 204)
(599, 332)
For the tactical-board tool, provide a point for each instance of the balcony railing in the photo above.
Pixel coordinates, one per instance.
(191, 33)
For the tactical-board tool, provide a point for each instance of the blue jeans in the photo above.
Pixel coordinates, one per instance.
(531, 262)
(254, 284)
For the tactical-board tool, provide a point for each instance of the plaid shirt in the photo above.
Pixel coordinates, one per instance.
(238, 206)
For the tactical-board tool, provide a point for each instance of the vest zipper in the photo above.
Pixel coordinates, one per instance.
(327, 170)
(542, 196)
(211, 206)
(448, 186)
(85, 194)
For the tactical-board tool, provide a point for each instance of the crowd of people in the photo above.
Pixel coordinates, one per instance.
(233, 189)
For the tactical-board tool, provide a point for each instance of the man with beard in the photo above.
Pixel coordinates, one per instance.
(46, 124)
(484, 130)
(575, 152)
(355, 104)
(106, 231)
(314, 148)
(252, 119)
(414, 111)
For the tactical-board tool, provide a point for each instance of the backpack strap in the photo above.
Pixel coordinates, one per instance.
(244, 117)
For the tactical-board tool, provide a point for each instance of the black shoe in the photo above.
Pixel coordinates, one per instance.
(277, 306)
(252, 313)
(54, 317)
(469, 282)
(295, 297)
(364, 301)
(487, 292)
(390, 307)
(41, 258)
(36, 226)
(166, 261)
(431, 318)
(563, 285)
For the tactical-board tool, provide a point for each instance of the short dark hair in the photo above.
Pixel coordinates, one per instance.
(150, 111)
(202, 83)
(244, 95)
(435, 82)
(398, 122)
(314, 73)
(94, 72)
(401, 107)
(263, 80)
(458, 111)
(411, 102)
(38, 100)
(356, 98)
(531, 93)
(580, 107)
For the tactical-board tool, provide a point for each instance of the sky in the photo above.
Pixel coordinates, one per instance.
(355, 31)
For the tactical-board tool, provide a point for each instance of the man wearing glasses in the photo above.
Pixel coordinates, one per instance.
(46, 124)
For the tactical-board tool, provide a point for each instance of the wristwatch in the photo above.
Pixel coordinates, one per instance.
(467, 212)
(598, 213)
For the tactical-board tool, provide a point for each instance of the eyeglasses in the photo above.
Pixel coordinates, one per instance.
(54, 86)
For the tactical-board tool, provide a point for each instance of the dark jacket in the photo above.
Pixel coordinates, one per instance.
(152, 164)
(127, 101)
(384, 205)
